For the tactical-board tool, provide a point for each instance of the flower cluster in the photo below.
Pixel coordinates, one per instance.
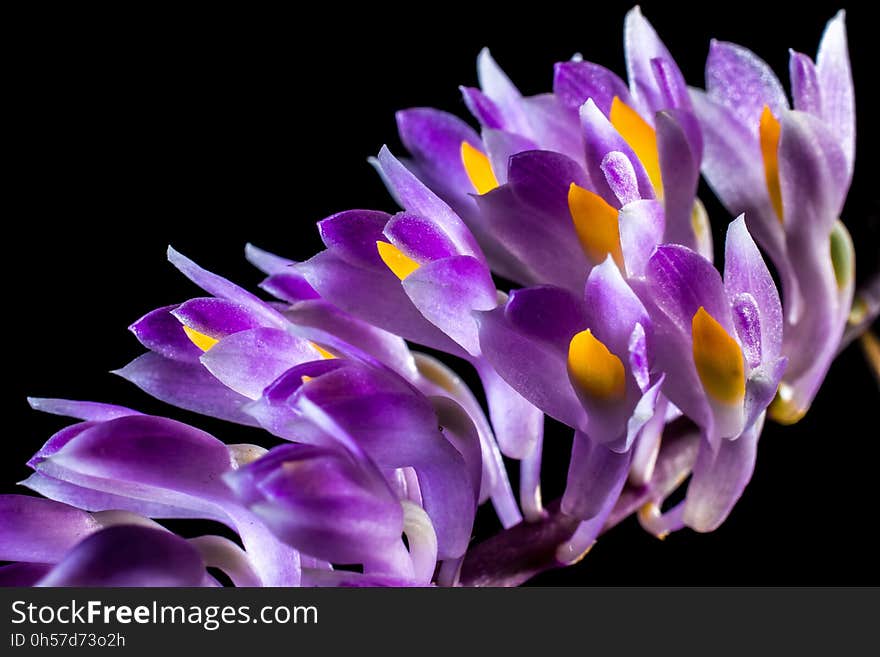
(619, 326)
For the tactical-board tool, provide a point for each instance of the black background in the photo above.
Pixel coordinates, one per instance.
(132, 131)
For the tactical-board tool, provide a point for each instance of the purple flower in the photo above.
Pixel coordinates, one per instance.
(154, 467)
(421, 275)
(619, 325)
(294, 489)
(53, 544)
(722, 341)
(586, 362)
(216, 354)
(372, 411)
(789, 170)
(511, 184)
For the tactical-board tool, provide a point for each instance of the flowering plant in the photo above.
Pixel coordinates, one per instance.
(618, 324)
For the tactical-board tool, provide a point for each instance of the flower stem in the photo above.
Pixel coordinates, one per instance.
(517, 554)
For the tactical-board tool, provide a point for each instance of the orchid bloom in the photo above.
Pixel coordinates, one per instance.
(583, 133)
(618, 325)
(789, 171)
(420, 274)
(722, 358)
(586, 362)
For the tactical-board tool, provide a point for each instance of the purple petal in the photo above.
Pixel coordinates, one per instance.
(58, 440)
(541, 179)
(220, 287)
(81, 410)
(495, 484)
(547, 313)
(576, 82)
(680, 147)
(325, 318)
(733, 166)
(805, 88)
(483, 108)
(642, 46)
(602, 138)
(743, 82)
(414, 197)
(501, 147)
(186, 385)
(530, 216)
(295, 488)
(129, 556)
(835, 79)
(546, 245)
(378, 408)
(434, 139)
(535, 369)
(396, 427)
(155, 466)
(91, 499)
(249, 361)
(448, 291)
(437, 379)
(671, 89)
(683, 281)
(216, 318)
(746, 273)
(553, 128)
(283, 281)
(160, 331)
(641, 226)
(418, 237)
(518, 424)
(374, 296)
(266, 262)
(719, 479)
(498, 87)
(351, 236)
(290, 287)
(621, 177)
(595, 476)
(677, 283)
(812, 174)
(613, 312)
(151, 451)
(23, 574)
(36, 530)
(612, 308)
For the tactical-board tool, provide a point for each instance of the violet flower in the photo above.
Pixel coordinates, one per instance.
(586, 362)
(722, 342)
(53, 544)
(420, 274)
(118, 459)
(509, 184)
(619, 326)
(789, 170)
(295, 488)
(215, 355)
